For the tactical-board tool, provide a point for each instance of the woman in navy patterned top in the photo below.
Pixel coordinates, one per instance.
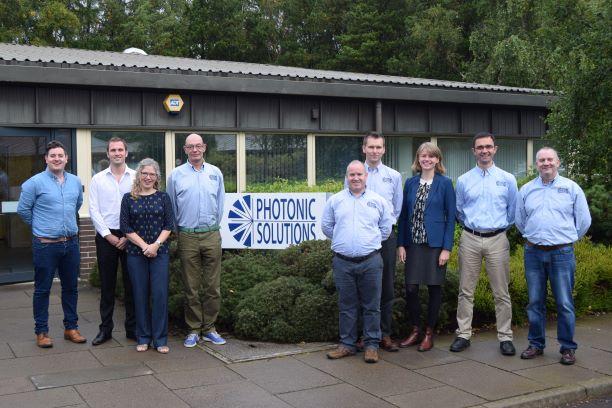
(147, 220)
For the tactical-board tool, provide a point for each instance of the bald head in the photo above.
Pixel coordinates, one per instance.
(194, 149)
(547, 163)
(356, 176)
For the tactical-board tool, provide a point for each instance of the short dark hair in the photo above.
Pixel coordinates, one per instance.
(482, 135)
(373, 135)
(54, 144)
(116, 139)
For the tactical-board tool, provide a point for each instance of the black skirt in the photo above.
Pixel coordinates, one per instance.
(422, 266)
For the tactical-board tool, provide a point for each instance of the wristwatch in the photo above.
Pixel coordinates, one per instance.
(159, 243)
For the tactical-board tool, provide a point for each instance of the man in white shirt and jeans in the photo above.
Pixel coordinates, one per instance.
(105, 193)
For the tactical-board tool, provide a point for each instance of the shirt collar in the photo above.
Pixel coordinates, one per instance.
(356, 196)
(193, 167)
(483, 172)
(371, 169)
(53, 176)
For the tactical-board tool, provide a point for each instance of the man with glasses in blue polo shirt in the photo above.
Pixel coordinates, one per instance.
(357, 220)
(49, 203)
(552, 213)
(197, 193)
(486, 201)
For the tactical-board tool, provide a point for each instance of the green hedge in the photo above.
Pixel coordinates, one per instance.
(289, 296)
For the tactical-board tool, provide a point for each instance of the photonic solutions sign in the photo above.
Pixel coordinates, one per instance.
(271, 221)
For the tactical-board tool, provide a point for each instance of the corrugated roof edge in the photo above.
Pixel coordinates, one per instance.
(31, 53)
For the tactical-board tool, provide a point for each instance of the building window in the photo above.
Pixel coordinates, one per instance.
(140, 145)
(511, 155)
(333, 154)
(220, 152)
(271, 157)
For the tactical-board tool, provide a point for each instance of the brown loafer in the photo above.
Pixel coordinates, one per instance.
(568, 357)
(388, 344)
(339, 352)
(43, 340)
(74, 336)
(412, 339)
(371, 356)
(531, 352)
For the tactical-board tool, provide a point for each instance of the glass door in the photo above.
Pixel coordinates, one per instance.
(21, 156)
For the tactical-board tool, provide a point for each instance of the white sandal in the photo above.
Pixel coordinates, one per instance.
(142, 347)
(163, 349)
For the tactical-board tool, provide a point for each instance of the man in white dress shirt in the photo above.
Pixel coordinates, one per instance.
(105, 193)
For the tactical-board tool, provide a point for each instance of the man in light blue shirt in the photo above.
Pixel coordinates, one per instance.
(197, 193)
(357, 221)
(552, 213)
(49, 203)
(486, 200)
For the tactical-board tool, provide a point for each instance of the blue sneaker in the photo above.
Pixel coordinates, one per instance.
(214, 338)
(191, 340)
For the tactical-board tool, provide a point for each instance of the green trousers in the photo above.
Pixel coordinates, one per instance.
(200, 254)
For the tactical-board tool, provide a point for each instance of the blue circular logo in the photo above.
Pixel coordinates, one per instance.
(240, 220)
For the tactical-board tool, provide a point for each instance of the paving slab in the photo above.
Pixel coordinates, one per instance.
(16, 385)
(380, 379)
(594, 359)
(58, 397)
(55, 380)
(236, 350)
(442, 397)
(27, 366)
(5, 351)
(196, 378)
(337, 396)
(557, 374)
(488, 352)
(233, 395)
(283, 374)
(482, 380)
(412, 359)
(13, 298)
(145, 392)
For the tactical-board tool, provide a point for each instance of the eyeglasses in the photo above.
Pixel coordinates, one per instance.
(149, 175)
(197, 146)
(484, 147)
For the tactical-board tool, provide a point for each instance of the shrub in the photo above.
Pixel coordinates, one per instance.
(281, 185)
(309, 259)
(287, 309)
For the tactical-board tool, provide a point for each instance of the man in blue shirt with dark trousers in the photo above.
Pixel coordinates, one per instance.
(552, 213)
(486, 201)
(49, 203)
(357, 220)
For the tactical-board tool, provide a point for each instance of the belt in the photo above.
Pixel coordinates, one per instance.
(55, 240)
(547, 247)
(485, 234)
(357, 259)
(205, 229)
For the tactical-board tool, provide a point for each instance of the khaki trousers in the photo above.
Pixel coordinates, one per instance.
(496, 253)
(200, 254)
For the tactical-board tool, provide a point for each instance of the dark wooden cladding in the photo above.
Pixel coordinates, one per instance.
(99, 108)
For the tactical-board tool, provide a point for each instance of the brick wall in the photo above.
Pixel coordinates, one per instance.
(87, 235)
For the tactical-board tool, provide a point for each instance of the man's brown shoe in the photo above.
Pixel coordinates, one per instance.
(388, 344)
(412, 339)
(531, 352)
(339, 352)
(371, 355)
(43, 340)
(74, 336)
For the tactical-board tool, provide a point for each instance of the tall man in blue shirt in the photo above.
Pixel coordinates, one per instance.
(486, 201)
(552, 213)
(357, 221)
(387, 183)
(197, 193)
(49, 203)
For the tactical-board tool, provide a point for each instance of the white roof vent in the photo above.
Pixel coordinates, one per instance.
(133, 50)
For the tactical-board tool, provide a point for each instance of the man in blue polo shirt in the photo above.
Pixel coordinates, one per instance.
(552, 213)
(486, 201)
(197, 193)
(357, 220)
(49, 203)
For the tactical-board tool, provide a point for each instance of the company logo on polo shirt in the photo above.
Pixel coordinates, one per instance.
(240, 220)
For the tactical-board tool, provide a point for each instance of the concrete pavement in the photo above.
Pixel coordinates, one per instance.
(115, 375)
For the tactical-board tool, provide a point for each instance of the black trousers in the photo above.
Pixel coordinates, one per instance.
(108, 261)
(388, 253)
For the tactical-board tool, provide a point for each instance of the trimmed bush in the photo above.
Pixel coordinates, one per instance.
(287, 309)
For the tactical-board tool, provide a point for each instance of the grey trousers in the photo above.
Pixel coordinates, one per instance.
(496, 253)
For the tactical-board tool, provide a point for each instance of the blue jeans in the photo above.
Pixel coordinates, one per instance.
(558, 266)
(149, 277)
(63, 257)
(359, 286)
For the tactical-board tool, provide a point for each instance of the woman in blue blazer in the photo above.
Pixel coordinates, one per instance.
(425, 238)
